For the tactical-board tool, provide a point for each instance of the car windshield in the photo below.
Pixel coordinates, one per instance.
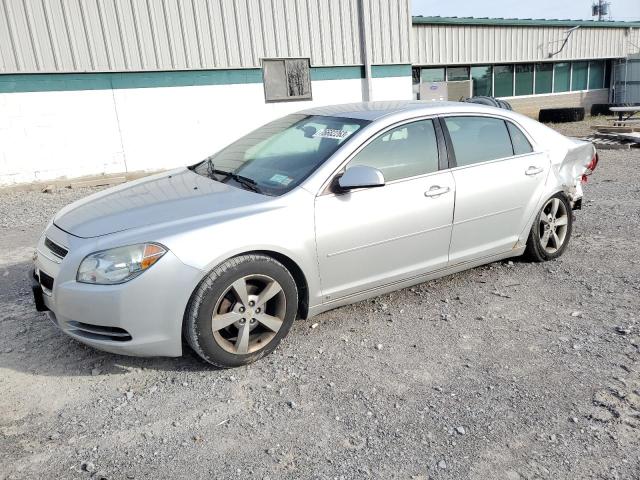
(279, 155)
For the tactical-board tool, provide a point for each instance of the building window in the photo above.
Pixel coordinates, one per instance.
(579, 75)
(562, 77)
(503, 80)
(481, 78)
(524, 79)
(596, 74)
(457, 74)
(430, 75)
(286, 79)
(544, 77)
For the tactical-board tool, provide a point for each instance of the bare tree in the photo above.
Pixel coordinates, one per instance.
(297, 78)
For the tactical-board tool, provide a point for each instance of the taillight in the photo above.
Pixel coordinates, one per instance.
(591, 166)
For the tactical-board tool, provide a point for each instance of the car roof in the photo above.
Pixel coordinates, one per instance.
(375, 110)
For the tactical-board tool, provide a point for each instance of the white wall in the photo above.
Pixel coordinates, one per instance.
(66, 134)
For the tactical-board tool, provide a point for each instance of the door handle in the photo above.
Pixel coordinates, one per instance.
(436, 190)
(533, 170)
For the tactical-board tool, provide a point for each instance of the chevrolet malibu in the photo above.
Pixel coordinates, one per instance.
(312, 211)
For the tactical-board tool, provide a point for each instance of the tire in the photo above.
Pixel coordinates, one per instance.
(483, 100)
(244, 328)
(504, 104)
(600, 109)
(541, 244)
(561, 115)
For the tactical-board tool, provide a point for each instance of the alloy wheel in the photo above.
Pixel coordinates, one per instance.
(554, 219)
(249, 314)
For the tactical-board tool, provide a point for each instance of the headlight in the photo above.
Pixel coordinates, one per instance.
(119, 265)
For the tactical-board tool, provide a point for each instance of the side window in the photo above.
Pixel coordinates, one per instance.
(478, 139)
(520, 143)
(403, 152)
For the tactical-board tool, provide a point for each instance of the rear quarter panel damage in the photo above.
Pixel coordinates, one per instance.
(569, 158)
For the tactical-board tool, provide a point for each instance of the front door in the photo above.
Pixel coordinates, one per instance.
(371, 237)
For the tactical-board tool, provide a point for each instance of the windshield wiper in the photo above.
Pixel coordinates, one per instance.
(246, 182)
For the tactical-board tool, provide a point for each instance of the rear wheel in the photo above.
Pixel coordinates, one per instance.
(551, 230)
(241, 311)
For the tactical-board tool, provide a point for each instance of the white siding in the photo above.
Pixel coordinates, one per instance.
(441, 44)
(133, 35)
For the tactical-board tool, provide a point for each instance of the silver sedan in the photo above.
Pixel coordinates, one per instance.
(312, 211)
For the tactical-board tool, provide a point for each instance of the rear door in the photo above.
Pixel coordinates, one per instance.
(371, 237)
(499, 178)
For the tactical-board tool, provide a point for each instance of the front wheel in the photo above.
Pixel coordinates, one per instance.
(241, 311)
(551, 230)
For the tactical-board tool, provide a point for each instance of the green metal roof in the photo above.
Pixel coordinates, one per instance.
(522, 22)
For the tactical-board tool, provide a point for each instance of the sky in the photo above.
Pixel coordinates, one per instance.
(625, 10)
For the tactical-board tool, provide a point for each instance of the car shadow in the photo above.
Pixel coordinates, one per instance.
(32, 343)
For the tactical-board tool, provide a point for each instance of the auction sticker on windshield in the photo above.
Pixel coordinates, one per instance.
(332, 133)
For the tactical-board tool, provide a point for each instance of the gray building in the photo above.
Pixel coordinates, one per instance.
(531, 63)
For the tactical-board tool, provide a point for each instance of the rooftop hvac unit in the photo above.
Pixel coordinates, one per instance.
(600, 9)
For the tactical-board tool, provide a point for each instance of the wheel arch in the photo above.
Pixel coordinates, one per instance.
(296, 272)
(524, 235)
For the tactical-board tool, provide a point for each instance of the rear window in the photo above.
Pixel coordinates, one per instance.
(478, 139)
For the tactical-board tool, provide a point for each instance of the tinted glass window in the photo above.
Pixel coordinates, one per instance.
(579, 75)
(478, 139)
(481, 77)
(279, 155)
(524, 79)
(596, 74)
(503, 80)
(561, 77)
(457, 73)
(520, 143)
(432, 75)
(544, 77)
(403, 152)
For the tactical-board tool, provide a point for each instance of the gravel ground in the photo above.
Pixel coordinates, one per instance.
(580, 129)
(512, 370)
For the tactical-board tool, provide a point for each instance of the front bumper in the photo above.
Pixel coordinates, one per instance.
(142, 317)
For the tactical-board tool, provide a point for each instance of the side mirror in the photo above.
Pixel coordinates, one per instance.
(361, 176)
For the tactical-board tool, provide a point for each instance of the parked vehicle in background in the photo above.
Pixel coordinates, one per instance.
(310, 212)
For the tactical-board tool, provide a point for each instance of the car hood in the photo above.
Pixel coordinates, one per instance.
(164, 198)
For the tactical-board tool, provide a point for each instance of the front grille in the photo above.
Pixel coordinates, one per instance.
(99, 332)
(46, 281)
(56, 249)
